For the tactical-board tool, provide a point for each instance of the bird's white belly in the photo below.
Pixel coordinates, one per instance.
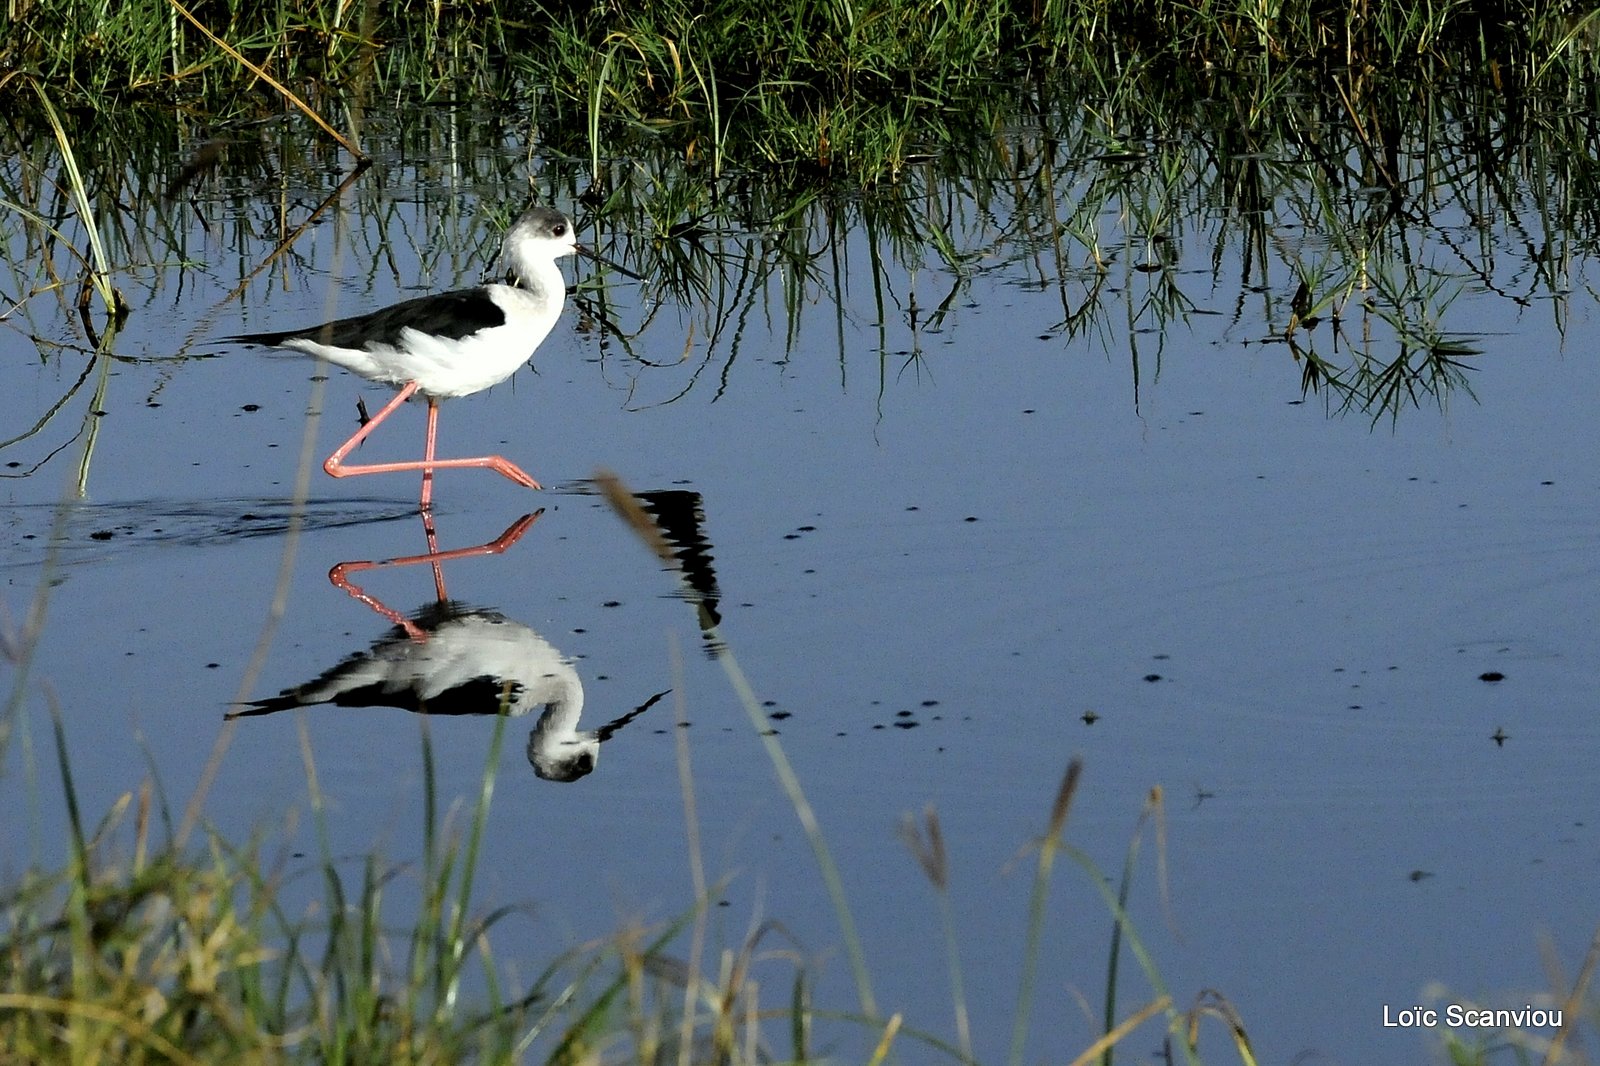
(452, 366)
(456, 367)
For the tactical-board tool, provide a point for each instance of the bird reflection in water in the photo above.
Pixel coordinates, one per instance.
(448, 658)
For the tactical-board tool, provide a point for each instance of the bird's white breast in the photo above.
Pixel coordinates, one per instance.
(445, 368)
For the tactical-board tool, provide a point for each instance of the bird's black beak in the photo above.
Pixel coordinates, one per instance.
(606, 731)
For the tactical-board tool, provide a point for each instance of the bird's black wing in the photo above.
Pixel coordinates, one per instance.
(451, 315)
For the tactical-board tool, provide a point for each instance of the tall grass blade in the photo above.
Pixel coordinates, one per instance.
(95, 413)
(280, 596)
(69, 791)
(595, 93)
(1049, 844)
(100, 274)
(458, 943)
(697, 870)
(40, 221)
(927, 846)
(623, 502)
(1128, 933)
(1115, 1034)
(881, 1052)
(1212, 1003)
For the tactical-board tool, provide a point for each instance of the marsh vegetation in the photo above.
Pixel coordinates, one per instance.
(1341, 168)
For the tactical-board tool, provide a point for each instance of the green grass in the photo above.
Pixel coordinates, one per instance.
(1076, 141)
(136, 953)
(1091, 195)
(857, 89)
(1327, 159)
(140, 952)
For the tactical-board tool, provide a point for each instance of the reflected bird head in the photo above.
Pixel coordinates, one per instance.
(558, 752)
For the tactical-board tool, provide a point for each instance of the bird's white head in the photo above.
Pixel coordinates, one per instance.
(534, 242)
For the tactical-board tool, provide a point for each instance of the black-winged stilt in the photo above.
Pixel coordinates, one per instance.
(449, 344)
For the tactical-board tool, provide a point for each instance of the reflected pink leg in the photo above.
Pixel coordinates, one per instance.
(433, 541)
(339, 575)
(336, 466)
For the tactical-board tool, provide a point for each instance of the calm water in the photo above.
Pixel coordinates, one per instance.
(950, 556)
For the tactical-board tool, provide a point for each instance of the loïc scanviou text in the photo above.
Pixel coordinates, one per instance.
(1458, 1017)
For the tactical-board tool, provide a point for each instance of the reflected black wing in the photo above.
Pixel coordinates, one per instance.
(481, 695)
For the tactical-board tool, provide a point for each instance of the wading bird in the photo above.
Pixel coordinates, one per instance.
(449, 344)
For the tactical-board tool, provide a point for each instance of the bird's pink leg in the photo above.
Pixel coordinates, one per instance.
(336, 466)
(427, 470)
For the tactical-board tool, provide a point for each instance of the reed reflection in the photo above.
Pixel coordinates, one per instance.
(449, 658)
(679, 519)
